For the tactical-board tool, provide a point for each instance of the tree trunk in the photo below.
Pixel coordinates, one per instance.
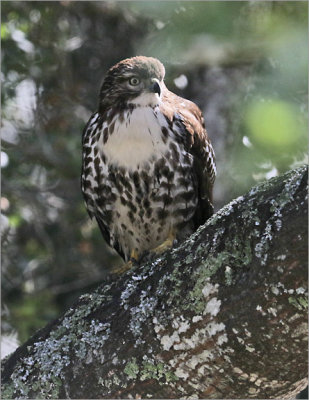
(224, 315)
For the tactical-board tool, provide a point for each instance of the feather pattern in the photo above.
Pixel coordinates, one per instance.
(148, 164)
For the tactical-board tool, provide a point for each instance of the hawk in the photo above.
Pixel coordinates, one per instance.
(148, 166)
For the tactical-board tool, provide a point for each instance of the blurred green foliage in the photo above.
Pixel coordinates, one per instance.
(274, 126)
(32, 313)
(245, 64)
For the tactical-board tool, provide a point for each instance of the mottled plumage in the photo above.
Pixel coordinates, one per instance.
(148, 165)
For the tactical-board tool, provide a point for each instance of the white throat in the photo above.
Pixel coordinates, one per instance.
(137, 139)
(146, 100)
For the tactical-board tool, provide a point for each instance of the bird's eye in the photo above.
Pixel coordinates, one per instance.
(134, 81)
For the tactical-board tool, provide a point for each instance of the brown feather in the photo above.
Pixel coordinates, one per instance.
(148, 164)
(197, 142)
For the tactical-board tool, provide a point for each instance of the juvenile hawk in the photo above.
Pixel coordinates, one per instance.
(148, 165)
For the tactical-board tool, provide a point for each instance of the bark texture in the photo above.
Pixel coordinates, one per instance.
(224, 315)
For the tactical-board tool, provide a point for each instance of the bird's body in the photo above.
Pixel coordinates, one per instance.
(148, 166)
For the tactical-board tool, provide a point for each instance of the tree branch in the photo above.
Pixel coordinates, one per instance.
(221, 316)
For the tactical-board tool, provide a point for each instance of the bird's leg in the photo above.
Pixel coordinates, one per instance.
(166, 245)
(128, 265)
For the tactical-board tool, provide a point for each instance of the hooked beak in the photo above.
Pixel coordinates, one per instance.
(155, 86)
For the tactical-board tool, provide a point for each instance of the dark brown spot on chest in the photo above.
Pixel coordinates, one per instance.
(105, 135)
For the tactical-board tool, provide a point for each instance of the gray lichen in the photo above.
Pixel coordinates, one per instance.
(43, 371)
(184, 323)
(149, 369)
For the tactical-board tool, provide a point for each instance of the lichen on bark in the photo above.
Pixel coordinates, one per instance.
(222, 315)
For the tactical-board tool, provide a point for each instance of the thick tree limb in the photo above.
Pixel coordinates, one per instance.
(222, 316)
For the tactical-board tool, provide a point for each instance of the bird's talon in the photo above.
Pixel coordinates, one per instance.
(128, 265)
(122, 268)
(166, 245)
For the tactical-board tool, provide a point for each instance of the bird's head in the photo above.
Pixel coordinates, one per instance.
(137, 80)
